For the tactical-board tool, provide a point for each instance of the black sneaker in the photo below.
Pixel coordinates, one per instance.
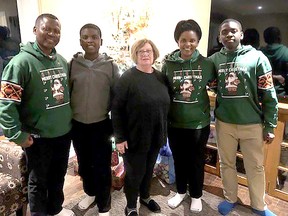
(131, 212)
(151, 205)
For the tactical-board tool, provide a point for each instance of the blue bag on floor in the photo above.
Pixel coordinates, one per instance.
(164, 166)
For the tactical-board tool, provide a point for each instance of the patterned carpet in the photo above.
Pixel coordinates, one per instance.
(161, 193)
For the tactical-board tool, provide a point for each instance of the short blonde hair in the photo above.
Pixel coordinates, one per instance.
(139, 44)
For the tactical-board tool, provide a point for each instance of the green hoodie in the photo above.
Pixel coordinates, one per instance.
(187, 81)
(245, 92)
(34, 96)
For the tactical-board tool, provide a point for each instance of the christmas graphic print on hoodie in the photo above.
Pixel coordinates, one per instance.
(245, 92)
(34, 95)
(187, 79)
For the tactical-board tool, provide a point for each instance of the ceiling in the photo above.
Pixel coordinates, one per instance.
(246, 7)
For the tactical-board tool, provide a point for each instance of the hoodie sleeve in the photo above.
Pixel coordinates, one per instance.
(12, 86)
(269, 97)
(212, 82)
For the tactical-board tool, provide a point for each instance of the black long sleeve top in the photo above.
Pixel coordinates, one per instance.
(139, 110)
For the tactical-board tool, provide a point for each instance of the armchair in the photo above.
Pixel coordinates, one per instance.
(13, 179)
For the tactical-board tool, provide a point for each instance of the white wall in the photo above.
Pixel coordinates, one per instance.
(164, 16)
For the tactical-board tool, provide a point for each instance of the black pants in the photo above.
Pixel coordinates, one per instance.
(139, 171)
(188, 149)
(93, 147)
(47, 161)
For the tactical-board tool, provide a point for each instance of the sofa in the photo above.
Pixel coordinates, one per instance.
(13, 179)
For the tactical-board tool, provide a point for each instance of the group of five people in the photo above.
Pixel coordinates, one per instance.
(44, 103)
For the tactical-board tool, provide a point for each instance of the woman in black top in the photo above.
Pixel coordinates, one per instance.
(139, 116)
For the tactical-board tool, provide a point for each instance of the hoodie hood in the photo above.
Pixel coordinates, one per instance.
(175, 57)
(33, 49)
(231, 56)
(276, 52)
(240, 51)
(102, 59)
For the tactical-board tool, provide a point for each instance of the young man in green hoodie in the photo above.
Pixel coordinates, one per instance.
(277, 54)
(246, 115)
(35, 113)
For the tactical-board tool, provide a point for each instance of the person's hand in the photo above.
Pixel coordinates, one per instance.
(268, 138)
(28, 142)
(121, 147)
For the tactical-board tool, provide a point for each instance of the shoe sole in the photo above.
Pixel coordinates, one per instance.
(195, 211)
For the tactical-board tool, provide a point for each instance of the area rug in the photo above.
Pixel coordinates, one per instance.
(161, 192)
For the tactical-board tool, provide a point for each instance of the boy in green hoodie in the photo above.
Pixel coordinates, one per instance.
(246, 115)
(35, 113)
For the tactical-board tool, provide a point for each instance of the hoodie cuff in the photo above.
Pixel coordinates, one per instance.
(268, 130)
(19, 138)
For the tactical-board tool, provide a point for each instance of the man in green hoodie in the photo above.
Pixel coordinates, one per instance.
(35, 113)
(277, 54)
(246, 115)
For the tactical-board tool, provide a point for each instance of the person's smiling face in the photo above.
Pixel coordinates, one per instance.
(145, 55)
(187, 43)
(47, 33)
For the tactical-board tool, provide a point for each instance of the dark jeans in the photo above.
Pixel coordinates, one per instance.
(47, 161)
(188, 149)
(139, 171)
(93, 147)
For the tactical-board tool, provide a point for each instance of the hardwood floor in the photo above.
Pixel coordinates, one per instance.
(212, 184)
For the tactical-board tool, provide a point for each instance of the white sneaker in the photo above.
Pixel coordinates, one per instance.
(176, 200)
(196, 205)
(104, 214)
(65, 212)
(86, 202)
